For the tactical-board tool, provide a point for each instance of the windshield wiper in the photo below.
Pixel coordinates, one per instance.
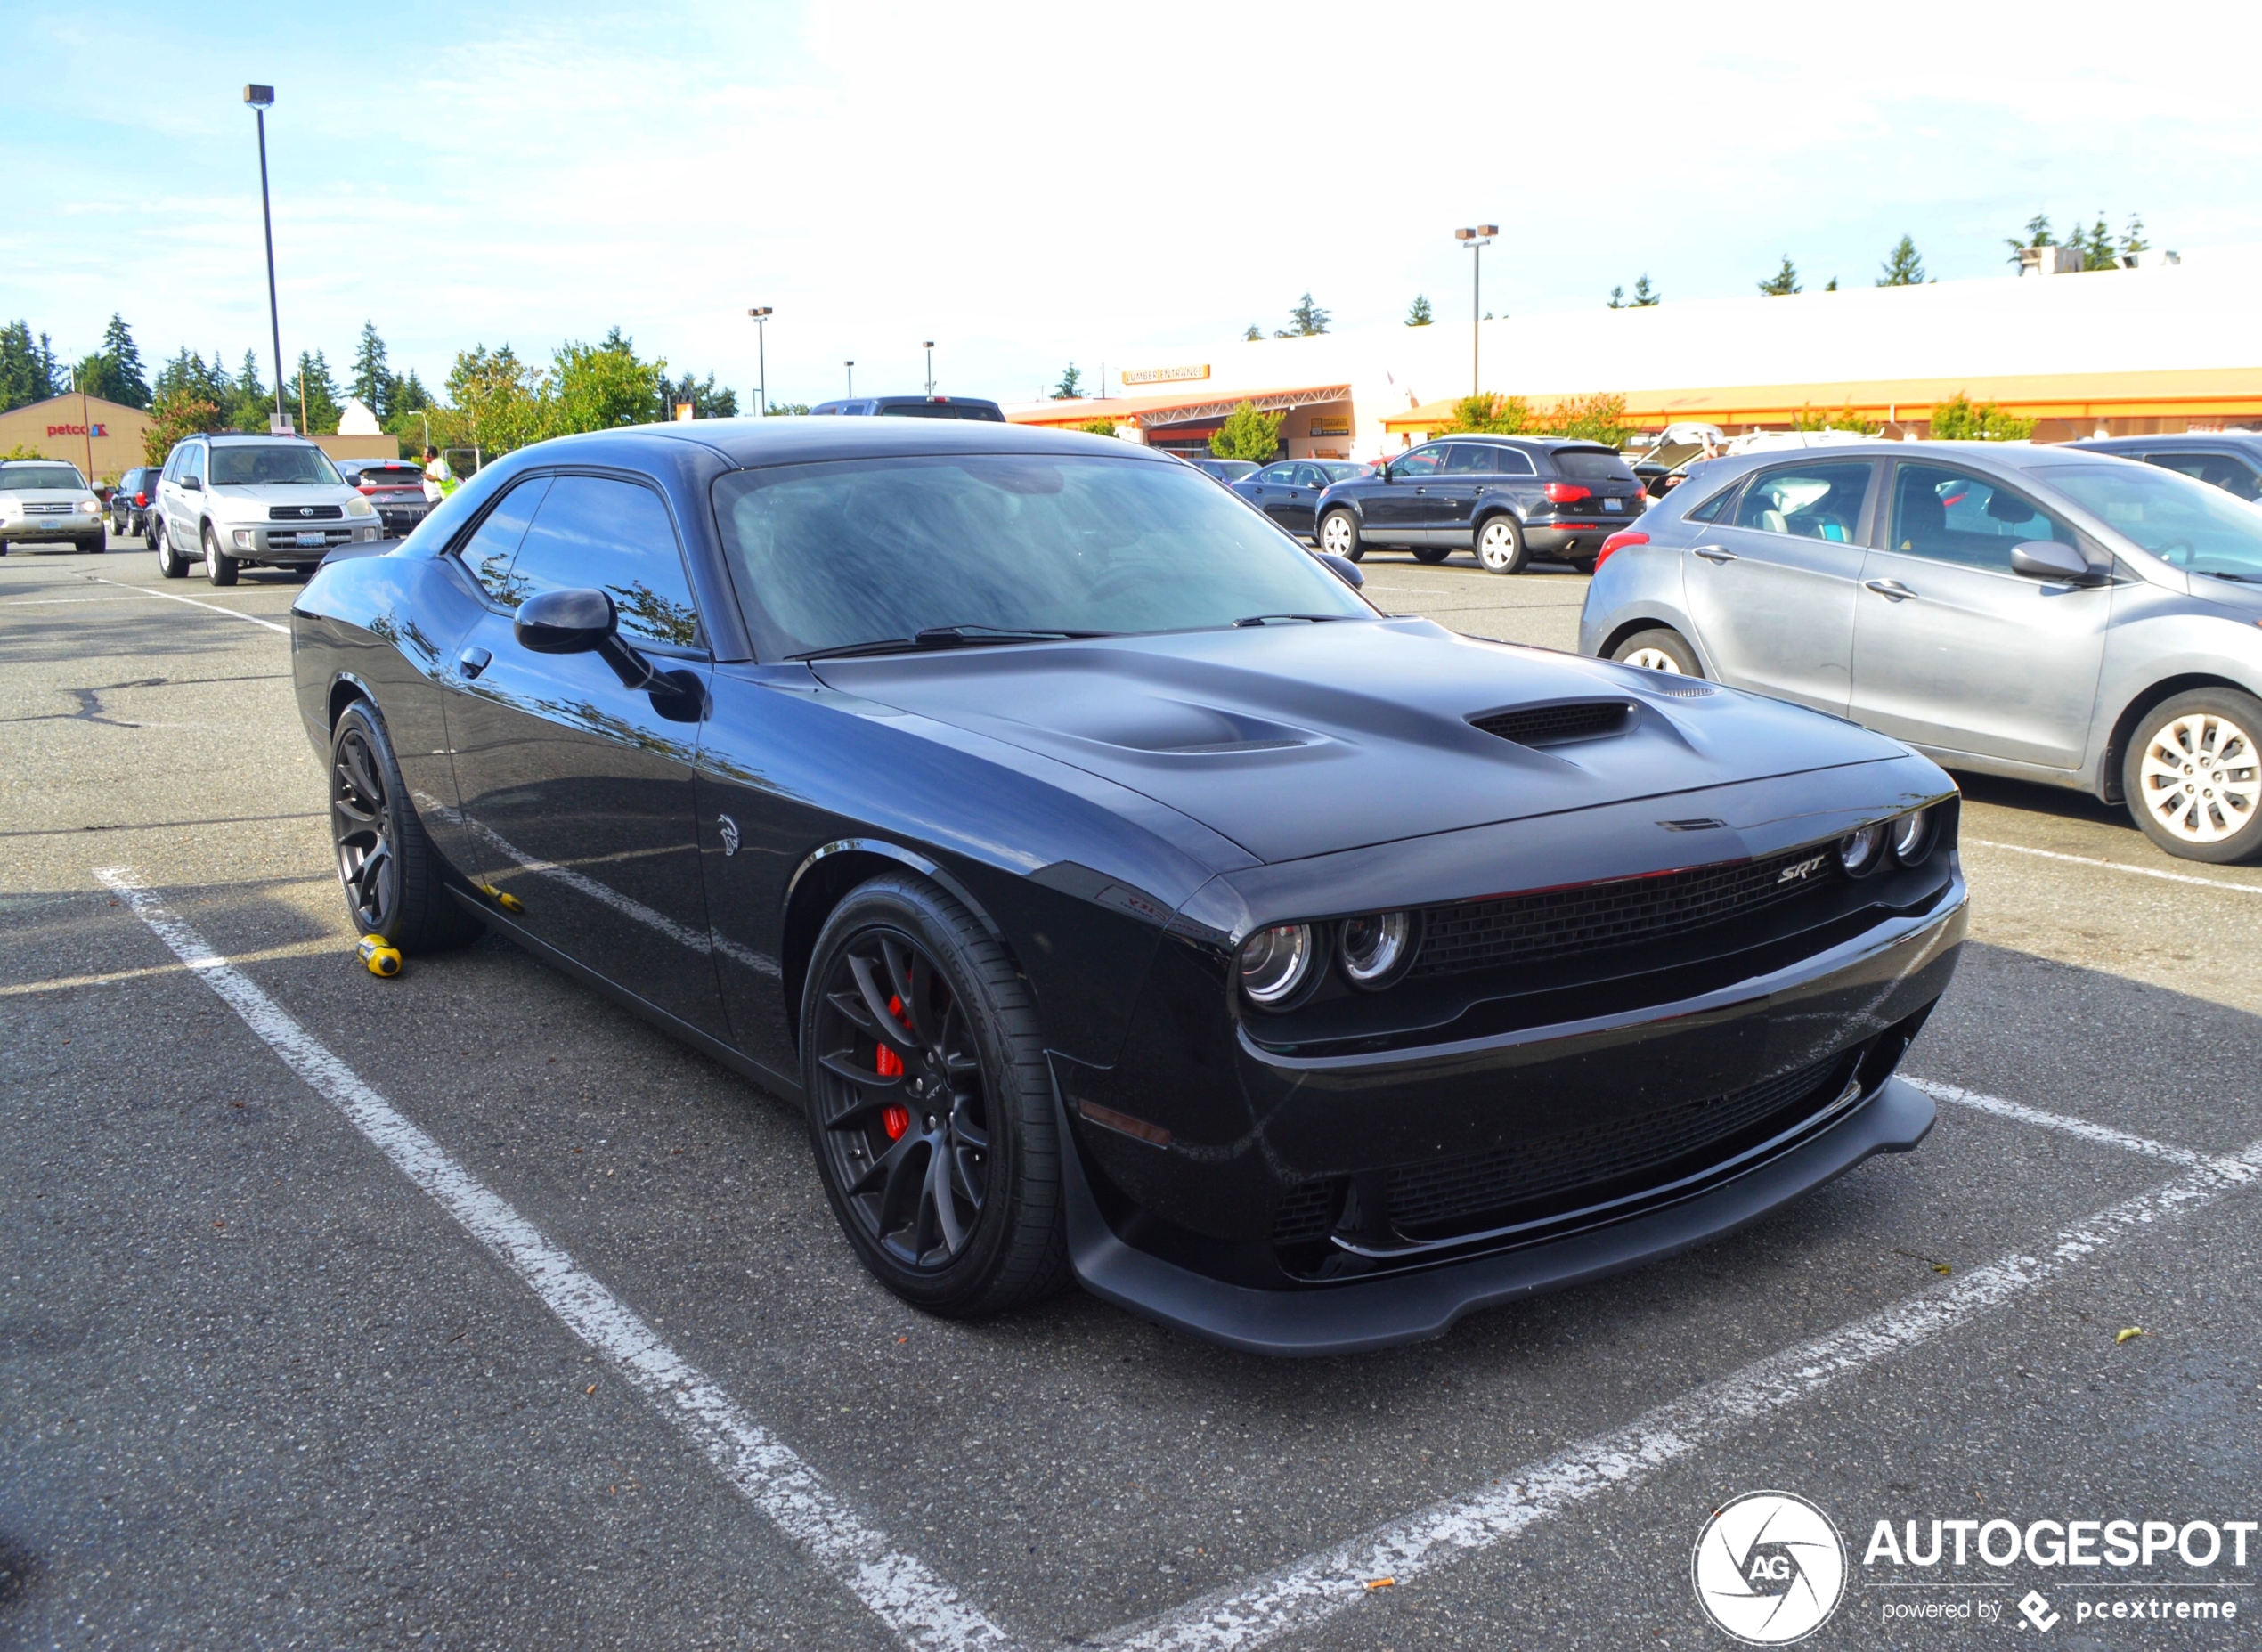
(1266, 619)
(2217, 574)
(946, 636)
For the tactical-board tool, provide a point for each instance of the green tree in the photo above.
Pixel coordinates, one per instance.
(1248, 433)
(2098, 251)
(1305, 320)
(251, 405)
(1903, 267)
(1254, 333)
(604, 385)
(1959, 418)
(1417, 313)
(185, 409)
(373, 381)
(1489, 412)
(1645, 295)
(1831, 285)
(498, 401)
(2132, 238)
(1784, 282)
(1617, 300)
(1097, 427)
(27, 367)
(1598, 418)
(1072, 384)
(708, 401)
(188, 372)
(788, 410)
(2038, 233)
(114, 372)
(1844, 418)
(311, 397)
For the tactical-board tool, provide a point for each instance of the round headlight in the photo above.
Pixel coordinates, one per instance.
(1276, 961)
(1859, 852)
(1912, 836)
(1376, 947)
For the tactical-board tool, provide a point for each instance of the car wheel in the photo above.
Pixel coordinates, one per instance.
(219, 567)
(1432, 553)
(930, 1106)
(1340, 535)
(169, 564)
(1499, 545)
(1659, 650)
(2192, 776)
(391, 875)
(95, 546)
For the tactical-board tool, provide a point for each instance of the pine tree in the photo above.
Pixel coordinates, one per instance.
(1617, 300)
(312, 391)
(1072, 384)
(2037, 231)
(1904, 268)
(24, 378)
(1831, 285)
(1784, 282)
(114, 371)
(1417, 313)
(1254, 333)
(1645, 295)
(2132, 238)
(1305, 320)
(372, 377)
(2098, 252)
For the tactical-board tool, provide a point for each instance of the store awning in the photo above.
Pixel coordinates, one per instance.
(1177, 407)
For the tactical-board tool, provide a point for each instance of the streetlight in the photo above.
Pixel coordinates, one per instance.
(931, 370)
(852, 371)
(762, 358)
(1476, 240)
(262, 99)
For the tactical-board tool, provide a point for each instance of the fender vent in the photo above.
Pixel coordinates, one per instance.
(1557, 725)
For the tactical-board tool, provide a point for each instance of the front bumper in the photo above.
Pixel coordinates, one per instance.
(260, 541)
(32, 530)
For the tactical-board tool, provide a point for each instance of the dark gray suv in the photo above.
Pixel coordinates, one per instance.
(2231, 460)
(1506, 498)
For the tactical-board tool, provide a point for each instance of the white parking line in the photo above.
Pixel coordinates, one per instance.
(212, 607)
(2115, 865)
(1317, 1588)
(2103, 1135)
(913, 1602)
(57, 602)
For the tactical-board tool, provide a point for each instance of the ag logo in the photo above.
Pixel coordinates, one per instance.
(1791, 873)
(1770, 1568)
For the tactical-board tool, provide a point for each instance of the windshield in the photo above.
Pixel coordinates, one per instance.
(831, 555)
(1592, 464)
(13, 478)
(2185, 524)
(281, 464)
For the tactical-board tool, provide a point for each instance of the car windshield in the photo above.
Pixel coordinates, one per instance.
(1592, 464)
(281, 464)
(15, 477)
(832, 555)
(2185, 524)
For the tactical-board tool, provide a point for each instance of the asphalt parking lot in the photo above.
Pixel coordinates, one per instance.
(259, 1386)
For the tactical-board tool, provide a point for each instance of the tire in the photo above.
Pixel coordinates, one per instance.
(95, 546)
(1432, 554)
(1659, 650)
(172, 567)
(1499, 545)
(219, 568)
(902, 1179)
(1338, 535)
(2192, 776)
(392, 878)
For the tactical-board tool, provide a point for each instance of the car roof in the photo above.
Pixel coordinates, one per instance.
(245, 438)
(789, 441)
(2242, 439)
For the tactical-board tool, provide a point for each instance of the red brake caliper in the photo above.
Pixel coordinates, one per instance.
(895, 1120)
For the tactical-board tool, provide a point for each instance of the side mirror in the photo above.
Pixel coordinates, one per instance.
(564, 621)
(1343, 568)
(192, 484)
(1383, 473)
(2047, 559)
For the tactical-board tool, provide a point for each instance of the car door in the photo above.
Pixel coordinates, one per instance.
(1771, 583)
(1305, 486)
(1396, 509)
(181, 521)
(1272, 490)
(1471, 470)
(1953, 650)
(577, 790)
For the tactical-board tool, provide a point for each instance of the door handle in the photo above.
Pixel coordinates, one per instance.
(1891, 591)
(471, 661)
(1716, 553)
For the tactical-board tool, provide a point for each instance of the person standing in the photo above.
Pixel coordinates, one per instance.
(436, 472)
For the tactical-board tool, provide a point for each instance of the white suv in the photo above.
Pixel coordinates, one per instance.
(47, 498)
(231, 500)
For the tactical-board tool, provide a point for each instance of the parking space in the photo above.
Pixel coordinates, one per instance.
(262, 1384)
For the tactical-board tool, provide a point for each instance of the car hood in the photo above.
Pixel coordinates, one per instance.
(238, 499)
(45, 495)
(1296, 740)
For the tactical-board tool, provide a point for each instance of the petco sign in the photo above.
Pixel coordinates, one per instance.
(78, 430)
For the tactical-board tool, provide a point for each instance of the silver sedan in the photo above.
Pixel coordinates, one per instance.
(2044, 613)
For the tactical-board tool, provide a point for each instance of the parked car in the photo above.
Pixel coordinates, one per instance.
(129, 500)
(1226, 470)
(2052, 614)
(1119, 893)
(1506, 498)
(916, 407)
(2231, 460)
(395, 486)
(252, 501)
(1288, 491)
(47, 499)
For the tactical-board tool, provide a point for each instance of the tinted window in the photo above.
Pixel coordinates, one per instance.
(493, 545)
(1280, 474)
(1423, 462)
(1472, 458)
(1710, 510)
(2185, 524)
(595, 533)
(1592, 464)
(2216, 470)
(1311, 476)
(942, 410)
(1811, 502)
(279, 464)
(829, 555)
(1954, 516)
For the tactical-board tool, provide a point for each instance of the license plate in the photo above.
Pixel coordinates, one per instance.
(314, 539)
(1614, 504)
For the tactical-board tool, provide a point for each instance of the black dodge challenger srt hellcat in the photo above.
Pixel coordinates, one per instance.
(1120, 894)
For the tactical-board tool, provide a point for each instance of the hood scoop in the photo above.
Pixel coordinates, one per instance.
(1560, 724)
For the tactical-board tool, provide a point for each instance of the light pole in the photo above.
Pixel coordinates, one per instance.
(1476, 240)
(851, 372)
(931, 370)
(262, 99)
(762, 358)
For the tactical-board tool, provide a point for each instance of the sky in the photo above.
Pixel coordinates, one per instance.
(1033, 185)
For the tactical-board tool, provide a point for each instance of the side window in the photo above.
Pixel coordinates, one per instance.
(594, 533)
(1310, 476)
(1278, 475)
(192, 461)
(2216, 470)
(1808, 501)
(1513, 462)
(1420, 465)
(493, 545)
(1714, 509)
(1955, 516)
(1472, 458)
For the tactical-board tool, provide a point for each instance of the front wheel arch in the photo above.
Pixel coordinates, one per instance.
(2124, 727)
(1645, 622)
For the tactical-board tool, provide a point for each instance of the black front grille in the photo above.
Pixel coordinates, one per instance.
(1307, 1212)
(1551, 725)
(1438, 1194)
(305, 513)
(1550, 923)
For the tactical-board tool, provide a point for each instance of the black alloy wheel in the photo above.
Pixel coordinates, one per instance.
(929, 1105)
(387, 869)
